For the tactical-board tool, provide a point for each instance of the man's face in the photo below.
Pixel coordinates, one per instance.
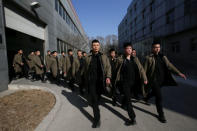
(79, 54)
(156, 48)
(20, 51)
(113, 54)
(32, 53)
(128, 50)
(84, 54)
(70, 53)
(63, 54)
(55, 54)
(134, 53)
(37, 53)
(49, 52)
(96, 47)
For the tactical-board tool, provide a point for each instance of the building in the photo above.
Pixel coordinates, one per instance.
(173, 21)
(37, 25)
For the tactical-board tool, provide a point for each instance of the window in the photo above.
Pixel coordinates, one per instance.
(151, 26)
(170, 17)
(187, 7)
(143, 31)
(135, 6)
(56, 5)
(193, 44)
(60, 9)
(126, 22)
(176, 47)
(64, 17)
(152, 5)
(143, 14)
(1, 41)
(131, 12)
(136, 21)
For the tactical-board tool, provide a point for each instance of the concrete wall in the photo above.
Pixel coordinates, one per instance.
(3, 60)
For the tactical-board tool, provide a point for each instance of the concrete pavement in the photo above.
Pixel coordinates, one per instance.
(75, 115)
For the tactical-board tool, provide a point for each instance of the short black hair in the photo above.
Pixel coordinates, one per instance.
(112, 49)
(48, 51)
(79, 51)
(133, 49)
(126, 44)
(53, 52)
(95, 41)
(70, 50)
(156, 41)
(62, 52)
(83, 52)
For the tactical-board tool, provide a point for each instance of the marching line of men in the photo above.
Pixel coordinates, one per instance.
(94, 73)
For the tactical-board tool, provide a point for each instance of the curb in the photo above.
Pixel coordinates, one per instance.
(43, 126)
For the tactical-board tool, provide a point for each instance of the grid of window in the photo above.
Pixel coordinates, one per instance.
(64, 14)
(63, 46)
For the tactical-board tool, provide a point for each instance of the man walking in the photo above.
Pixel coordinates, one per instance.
(128, 67)
(158, 70)
(97, 71)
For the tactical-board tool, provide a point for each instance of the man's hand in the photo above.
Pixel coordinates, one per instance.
(22, 64)
(41, 66)
(183, 76)
(108, 81)
(145, 82)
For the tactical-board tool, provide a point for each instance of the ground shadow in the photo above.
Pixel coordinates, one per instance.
(78, 102)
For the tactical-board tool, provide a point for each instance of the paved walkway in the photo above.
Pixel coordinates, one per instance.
(75, 115)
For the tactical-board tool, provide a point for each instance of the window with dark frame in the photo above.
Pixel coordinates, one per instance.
(143, 14)
(193, 44)
(1, 40)
(56, 5)
(135, 6)
(176, 47)
(170, 16)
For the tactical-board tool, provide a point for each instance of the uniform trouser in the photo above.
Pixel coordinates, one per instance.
(127, 101)
(94, 100)
(156, 91)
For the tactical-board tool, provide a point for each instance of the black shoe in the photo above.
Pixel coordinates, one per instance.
(114, 102)
(123, 106)
(146, 101)
(130, 122)
(162, 119)
(96, 124)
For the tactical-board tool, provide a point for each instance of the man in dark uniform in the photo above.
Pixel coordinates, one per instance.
(39, 66)
(55, 68)
(158, 70)
(97, 71)
(128, 67)
(69, 75)
(113, 63)
(77, 66)
(18, 64)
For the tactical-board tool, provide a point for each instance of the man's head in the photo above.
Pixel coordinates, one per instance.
(156, 47)
(32, 52)
(70, 52)
(54, 53)
(95, 46)
(79, 53)
(133, 52)
(20, 51)
(48, 52)
(112, 53)
(37, 52)
(63, 53)
(84, 54)
(128, 48)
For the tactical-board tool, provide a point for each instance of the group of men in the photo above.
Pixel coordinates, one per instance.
(96, 72)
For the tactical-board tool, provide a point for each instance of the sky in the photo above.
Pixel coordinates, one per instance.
(101, 17)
